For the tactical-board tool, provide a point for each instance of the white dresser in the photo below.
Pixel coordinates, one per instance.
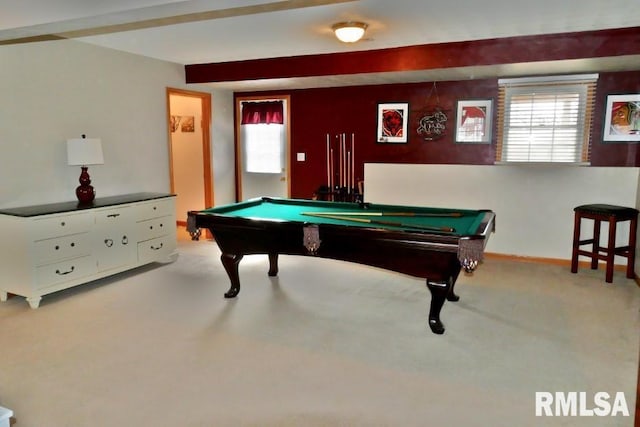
(5, 417)
(47, 248)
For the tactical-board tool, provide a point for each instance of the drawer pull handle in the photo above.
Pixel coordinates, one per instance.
(113, 215)
(108, 242)
(125, 240)
(57, 247)
(62, 224)
(156, 248)
(62, 273)
(72, 245)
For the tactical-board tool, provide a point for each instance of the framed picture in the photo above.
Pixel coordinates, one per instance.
(622, 118)
(188, 124)
(175, 121)
(392, 122)
(473, 121)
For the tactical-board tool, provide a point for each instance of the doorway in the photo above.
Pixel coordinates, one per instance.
(189, 125)
(249, 182)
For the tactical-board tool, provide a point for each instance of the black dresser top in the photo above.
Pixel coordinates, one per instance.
(100, 202)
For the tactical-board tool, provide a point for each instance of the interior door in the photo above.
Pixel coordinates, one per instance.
(258, 184)
(190, 148)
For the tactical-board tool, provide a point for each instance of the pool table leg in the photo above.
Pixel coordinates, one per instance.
(451, 295)
(230, 263)
(273, 264)
(440, 291)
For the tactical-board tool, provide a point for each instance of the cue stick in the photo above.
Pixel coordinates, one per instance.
(353, 164)
(340, 162)
(379, 222)
(348, 172)
(406, 214)
(332, 176)
(344, 159)
(328, 165)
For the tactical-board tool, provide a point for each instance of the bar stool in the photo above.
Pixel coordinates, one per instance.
(612, 214)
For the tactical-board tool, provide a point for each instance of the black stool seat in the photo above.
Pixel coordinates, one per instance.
(599, 209)
(612, 215)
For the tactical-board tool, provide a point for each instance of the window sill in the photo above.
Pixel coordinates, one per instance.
(569, 164)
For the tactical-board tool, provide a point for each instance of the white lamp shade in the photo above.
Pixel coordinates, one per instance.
(349, 32)
(84, 152)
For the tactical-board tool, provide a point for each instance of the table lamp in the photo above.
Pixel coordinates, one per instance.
(83, 152)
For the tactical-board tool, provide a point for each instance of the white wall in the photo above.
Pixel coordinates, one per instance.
(52, 91)
(223, 148)
(533, 204)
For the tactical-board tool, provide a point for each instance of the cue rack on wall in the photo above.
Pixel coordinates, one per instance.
(340, 183)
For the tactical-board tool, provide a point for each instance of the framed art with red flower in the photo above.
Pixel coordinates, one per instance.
(393, 121)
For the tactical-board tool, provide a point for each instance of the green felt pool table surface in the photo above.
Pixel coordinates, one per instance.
(462, 222)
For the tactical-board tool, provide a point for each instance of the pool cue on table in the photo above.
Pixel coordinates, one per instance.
(405, 214)
(378, 222)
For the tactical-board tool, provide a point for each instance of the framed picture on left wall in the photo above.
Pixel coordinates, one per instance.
(392, 123)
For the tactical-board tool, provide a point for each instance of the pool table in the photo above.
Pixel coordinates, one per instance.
(430, 243)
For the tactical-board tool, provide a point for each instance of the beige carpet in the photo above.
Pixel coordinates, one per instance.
(325, 344)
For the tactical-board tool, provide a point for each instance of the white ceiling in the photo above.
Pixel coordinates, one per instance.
(203, 31)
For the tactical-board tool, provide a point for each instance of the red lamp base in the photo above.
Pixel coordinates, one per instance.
(85, 192)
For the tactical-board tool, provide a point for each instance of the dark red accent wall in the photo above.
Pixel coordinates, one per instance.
(316, 112)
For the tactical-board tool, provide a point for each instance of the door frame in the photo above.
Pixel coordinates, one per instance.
(205, 103)
(287, 115)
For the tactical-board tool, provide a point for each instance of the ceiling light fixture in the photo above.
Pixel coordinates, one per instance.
(349, 32)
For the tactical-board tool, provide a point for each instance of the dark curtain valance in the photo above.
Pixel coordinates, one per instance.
(262, 112)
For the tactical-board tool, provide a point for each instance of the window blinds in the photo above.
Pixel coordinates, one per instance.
(545, 119)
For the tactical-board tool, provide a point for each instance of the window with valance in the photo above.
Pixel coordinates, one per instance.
(262, 130)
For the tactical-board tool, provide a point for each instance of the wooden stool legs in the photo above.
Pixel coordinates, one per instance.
(577, 221)
(610, 250)
(613, 215)
(633, 227)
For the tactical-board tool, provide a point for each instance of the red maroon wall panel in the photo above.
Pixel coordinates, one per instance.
(549, 47)
(318, 112)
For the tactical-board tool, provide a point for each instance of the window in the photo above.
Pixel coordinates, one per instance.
(545, 119)
(262, 132)
(264, 147)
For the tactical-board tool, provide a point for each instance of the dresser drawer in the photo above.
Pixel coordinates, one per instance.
(51, 250)
(156, 208)
(52, 274)
(155, 227)
(155, 249)
(60, 225)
